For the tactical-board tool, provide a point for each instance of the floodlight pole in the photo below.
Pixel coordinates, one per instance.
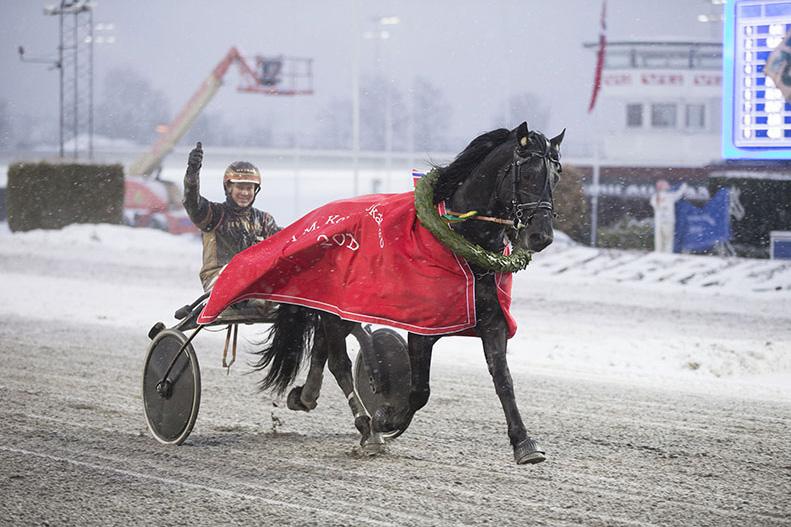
(356, 97)
(595, 195)
(75, 85)
(58, 63)
(381, 33)
(60, 75)
(74, 7)
(90, 85)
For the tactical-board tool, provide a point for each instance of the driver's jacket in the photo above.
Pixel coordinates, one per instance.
(227, 229)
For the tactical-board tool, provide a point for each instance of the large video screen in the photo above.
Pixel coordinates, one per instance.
(756, 119)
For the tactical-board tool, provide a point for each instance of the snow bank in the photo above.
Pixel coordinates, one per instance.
(98, 273)
(658, 271)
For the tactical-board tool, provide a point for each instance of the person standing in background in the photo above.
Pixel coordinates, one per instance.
(664, 203)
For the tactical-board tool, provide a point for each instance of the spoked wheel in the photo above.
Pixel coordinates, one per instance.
(171, 405)
(390, 377)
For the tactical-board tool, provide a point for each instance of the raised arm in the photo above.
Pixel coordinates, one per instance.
(197, 206)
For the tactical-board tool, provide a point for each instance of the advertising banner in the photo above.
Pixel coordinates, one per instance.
(700, 229)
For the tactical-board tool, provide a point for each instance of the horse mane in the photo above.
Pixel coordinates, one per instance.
(454, 174)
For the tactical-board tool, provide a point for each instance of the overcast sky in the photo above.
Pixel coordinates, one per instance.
(478, 52)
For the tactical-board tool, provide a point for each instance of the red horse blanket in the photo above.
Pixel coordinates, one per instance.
(366, 259)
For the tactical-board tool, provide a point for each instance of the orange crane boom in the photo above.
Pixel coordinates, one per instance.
(267, 79)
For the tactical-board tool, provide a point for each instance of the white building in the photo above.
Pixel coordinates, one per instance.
(660, 103)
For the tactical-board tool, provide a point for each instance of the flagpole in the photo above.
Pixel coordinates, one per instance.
(595, 194)
(600, 56)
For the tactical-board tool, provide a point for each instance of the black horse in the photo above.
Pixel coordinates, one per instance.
(508, 177)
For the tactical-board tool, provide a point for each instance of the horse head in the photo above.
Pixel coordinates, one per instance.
(534, 174)
(508, 178)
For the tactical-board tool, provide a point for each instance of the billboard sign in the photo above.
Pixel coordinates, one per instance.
(756, 114)
(778, 67)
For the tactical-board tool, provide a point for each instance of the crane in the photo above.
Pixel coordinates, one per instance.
(276, 75)
(152, 202)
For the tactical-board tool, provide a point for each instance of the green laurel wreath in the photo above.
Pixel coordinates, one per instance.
(474, 254)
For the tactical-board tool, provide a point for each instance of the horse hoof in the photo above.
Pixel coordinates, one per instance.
(363, 425)
(374, 449)
(384, 418)
(294, 401)
(528, 452)
(375, 445)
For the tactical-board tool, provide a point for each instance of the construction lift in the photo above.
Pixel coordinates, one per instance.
(152, 202)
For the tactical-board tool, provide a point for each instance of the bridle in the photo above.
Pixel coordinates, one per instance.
(519, 214)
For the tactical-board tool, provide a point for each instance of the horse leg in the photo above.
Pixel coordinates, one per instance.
(335, 332)
(387, 418)
(494, 338)
(303, 398)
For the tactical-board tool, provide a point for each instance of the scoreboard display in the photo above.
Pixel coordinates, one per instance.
(756, 117)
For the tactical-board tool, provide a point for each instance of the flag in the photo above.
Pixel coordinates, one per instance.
(599, 56)
(416, 175)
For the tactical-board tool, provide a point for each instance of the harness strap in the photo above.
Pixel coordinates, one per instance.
(473, 215)
(225, 363)
(522, 212)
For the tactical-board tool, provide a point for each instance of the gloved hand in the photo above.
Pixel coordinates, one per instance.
(194, 162)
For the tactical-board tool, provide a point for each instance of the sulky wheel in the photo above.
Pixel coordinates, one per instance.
(171, 407)
(390, 377)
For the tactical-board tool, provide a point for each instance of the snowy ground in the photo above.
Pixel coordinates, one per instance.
(659, 386)
(691, 322)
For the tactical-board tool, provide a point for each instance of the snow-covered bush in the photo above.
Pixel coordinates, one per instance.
(53, 195)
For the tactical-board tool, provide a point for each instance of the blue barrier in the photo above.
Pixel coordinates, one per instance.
(699, 229)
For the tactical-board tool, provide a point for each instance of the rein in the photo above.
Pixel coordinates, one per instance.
(473, 253)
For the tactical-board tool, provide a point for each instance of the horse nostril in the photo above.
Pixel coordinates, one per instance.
(539, 241)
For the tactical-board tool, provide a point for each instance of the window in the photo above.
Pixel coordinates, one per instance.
(663, 115)
(696, 116)
(634, 115)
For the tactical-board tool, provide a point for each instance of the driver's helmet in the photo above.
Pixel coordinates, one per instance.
(241, 172)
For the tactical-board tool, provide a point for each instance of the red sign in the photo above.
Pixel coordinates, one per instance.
(662, 79)
(618, 79)
(707, 79)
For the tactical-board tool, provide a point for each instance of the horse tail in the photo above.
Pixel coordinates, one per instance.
(287, 342)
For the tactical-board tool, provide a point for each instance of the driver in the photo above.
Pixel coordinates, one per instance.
(229, 227)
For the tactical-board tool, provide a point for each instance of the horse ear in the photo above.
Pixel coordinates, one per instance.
(555, 141)
(521, 133)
